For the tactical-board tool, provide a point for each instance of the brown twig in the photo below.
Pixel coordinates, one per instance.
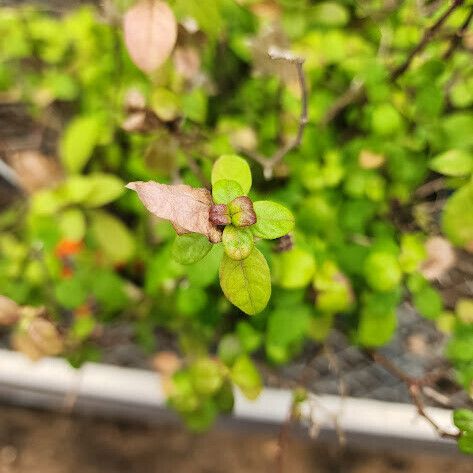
(430, 187)
(457, 37)
(428, 35)
(352, 94)
(356, 90)
(416, 396)
(268, 163)
(414, 387)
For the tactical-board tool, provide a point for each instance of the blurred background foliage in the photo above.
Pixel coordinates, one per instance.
(381, 185)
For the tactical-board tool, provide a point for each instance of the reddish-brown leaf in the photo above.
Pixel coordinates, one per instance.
(150, 33)
(185, 207)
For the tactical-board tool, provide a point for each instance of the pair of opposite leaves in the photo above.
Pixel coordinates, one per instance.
(244, 276)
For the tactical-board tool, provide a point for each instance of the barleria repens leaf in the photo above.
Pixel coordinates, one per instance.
(237, 242)
(245, 375)
(293, 269)
(79, 140)
(190, 248)
(185, 207)
(242, 212)
(455, 162)
(112, 236)
(150, 33)
(463, 419)
(246, 283)
(272, 220)
(219, 215)
(233, 168)
(224, 191)
(457, 218)
(465, 442)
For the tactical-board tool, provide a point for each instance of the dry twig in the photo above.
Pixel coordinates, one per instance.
(356, 90)
(457, 37)
(268, 163)
(414, 387)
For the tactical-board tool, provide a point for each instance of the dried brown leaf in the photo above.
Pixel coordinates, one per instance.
(35, 170)
(150, 33)
(37, 339)
(185, 207)
(440, 257)
(187, 61)
(370, 160)
(166, 362)
(9, 311)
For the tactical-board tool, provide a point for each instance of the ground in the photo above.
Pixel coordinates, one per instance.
(43, 442)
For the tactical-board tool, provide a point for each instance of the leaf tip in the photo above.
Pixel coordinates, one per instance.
(132, 186)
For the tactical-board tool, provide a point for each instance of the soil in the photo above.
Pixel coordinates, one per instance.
(45, 442)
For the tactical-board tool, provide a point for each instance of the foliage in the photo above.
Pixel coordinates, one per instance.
(352, 195)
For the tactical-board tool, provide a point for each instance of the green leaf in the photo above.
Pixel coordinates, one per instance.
(165, 104)
(460, 347)
(293, 269)
(464, 310)
(428, 302)
(385, 120)
(83, 327)
(224, 191)
(72, 224)
(194, 105)
(287, 326)
(272, 220)
(190, 300)
(207, 14)
(382, 271)
(206, 376)
(457, 217)
(70, 293)
(205, 272)
(413, 252)
(465, 443)
(233, 168)
(245, 375)
(455, 162)
(248, 336)
(76, 189)
(190, 248)
(246, 283)
(237, 242)
(203, 417)
(229, 348)
(79, 140)
(463, 419)
(105, 188)
(378, 319)
(112, 236)
(224, 398)
(330, 14)
(109, 290)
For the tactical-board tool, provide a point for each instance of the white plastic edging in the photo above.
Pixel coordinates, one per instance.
(52, 383)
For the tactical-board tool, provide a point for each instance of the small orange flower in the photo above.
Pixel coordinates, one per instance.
(68, 248)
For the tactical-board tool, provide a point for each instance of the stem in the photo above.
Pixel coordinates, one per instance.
(413, 386)
(426, 38)
(456, 39)
(356, 90)
(269, 163)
